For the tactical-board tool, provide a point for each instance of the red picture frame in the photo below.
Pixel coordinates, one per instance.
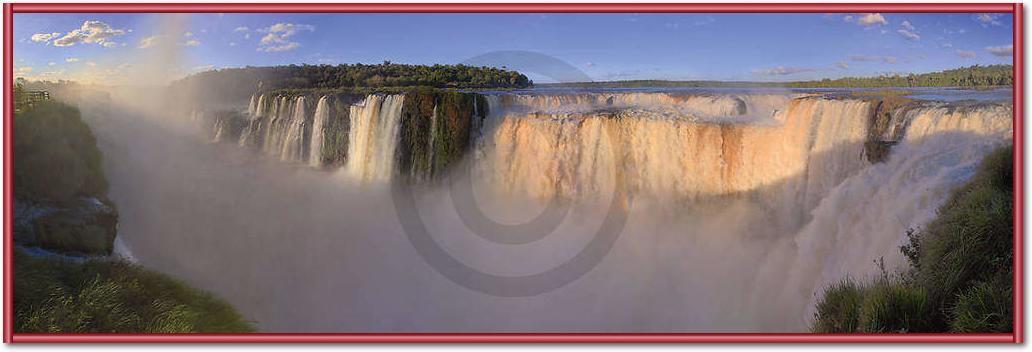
(1018, 108)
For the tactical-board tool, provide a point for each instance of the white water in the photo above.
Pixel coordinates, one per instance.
(373, 137)
(293, 142)
(322, 115)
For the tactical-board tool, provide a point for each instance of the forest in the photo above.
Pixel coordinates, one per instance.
(972, 76)
(386, 74)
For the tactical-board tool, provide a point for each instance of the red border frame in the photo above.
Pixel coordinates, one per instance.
(1015, 9)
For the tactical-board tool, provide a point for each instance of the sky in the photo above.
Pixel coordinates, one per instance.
(104, 48)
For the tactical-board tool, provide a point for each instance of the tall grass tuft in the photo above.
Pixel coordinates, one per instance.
(52, 295)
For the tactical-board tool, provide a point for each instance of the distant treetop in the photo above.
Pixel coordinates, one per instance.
(972, 76)
(386, 74)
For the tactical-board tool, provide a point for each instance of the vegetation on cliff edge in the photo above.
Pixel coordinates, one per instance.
(961, 268)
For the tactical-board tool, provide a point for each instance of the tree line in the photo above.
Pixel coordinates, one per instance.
(972, 76)
(386, 74)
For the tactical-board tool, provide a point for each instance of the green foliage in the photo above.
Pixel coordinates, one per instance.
(102, 296)
(55, 155)
(984, 307)
(972, 76)
(839, 311)
(435, 132)
(240, 83)
(894, 307)
(961, 274)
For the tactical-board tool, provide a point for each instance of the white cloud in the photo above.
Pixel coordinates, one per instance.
(848, 18)
(589, 64)
(187, 34)
(947, 45)
(873, 58)
(148, 42)
(241, 29)
(192, 42)
(843, 65)
(1002, 50)
(232, 43)
(278, 48)
(44, 37)
(25, 69)
(908, 34)
(51, 63)
(870, 19)
(782, 71)
(988, 19)
(204, 68)
(967, 54)
(72, 59)
(91, 32)
(906, 25)
(278, 36)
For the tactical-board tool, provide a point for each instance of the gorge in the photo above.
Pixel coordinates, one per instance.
(741, 204)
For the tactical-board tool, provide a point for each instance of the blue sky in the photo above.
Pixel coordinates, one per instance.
(762, 47)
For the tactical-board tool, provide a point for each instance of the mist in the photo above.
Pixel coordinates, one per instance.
(730, 226)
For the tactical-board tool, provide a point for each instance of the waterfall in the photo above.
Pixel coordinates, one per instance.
(865, 217)
(256, 110)
(293, 142)
(528, 152)
(322, 116)
(373, 137)
(252, 106)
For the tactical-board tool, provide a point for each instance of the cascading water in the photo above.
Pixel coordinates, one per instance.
(863, 218)
(322, 116)
(373, 137)
(293, 142)
(570, 154)
(745, 206)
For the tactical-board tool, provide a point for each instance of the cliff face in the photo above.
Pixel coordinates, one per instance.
(60, 189)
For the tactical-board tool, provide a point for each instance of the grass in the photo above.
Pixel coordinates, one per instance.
(53, 295)
(961, 273)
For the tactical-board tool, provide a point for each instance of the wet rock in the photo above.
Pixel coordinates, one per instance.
(85, 225)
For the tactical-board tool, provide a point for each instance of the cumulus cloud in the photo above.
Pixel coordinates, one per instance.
(871, 19)
(966, 54)
(278, 36)
(44, 37)
(906, 25)
(148, 42)
(91, 32)
(987, 19)
(783, 71)
(72, 59)
(873, 58)
(1002, 50)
